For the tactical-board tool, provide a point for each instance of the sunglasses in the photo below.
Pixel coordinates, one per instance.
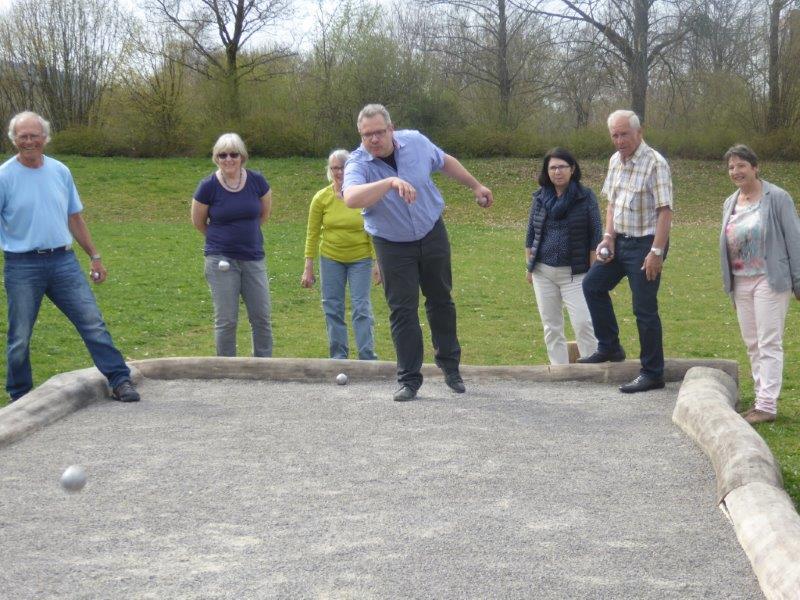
(224, 155)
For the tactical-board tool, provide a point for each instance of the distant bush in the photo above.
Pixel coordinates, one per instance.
(588, 143)
(694, 143)
(280, 135)
(778, 145)
(87, 141)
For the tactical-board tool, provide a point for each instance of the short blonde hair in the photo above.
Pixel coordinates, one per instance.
(229, 142)
(339, 154)
(27, 114)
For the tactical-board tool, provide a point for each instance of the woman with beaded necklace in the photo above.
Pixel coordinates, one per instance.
(229, 208)
(760, 257)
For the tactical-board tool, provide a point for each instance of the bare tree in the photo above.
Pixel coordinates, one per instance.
(156, 85)
(220, 30)
(784, 64)
(492, 42)
(636, 32)
(61, 56)
(585, 77)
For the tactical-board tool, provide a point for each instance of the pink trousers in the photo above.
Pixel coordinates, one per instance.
(762, 315)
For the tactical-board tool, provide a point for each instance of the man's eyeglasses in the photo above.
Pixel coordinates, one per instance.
(224, 155)
(371, 134)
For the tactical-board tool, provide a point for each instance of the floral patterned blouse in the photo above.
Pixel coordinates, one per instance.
(745, 234)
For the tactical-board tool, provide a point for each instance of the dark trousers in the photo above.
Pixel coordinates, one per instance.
(407, 268)
(630, 253)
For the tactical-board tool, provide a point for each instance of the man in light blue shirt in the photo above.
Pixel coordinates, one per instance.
(40, 213)
(389, 177)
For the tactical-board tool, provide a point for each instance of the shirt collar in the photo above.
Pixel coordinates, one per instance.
(397, 143)
(636, 156)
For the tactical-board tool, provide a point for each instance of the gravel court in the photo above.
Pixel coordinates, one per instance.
(231, 489)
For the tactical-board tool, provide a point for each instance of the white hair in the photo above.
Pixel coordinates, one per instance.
(229, 142)
(339, 154)
(28, 114)
(633, 119)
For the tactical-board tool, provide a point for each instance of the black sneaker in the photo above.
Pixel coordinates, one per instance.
(601, 357)
(125, 392)
(404, 394)
(454, 382)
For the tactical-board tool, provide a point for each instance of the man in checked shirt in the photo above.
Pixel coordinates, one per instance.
(639, 190)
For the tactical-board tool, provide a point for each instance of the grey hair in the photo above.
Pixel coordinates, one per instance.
(339, 154)
(633, 118)
(743, 152)
(371, 110)
(229, 142)
(28, 114)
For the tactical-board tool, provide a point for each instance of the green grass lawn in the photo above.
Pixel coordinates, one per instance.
(156, 301)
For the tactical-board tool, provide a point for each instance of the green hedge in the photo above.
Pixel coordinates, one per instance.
(281, 137)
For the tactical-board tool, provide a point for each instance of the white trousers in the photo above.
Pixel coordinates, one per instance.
(762, 316)
(556, 288)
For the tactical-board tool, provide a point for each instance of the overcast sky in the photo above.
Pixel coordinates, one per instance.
(298, 32)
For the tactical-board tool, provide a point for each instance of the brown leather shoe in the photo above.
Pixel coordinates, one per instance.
(758, 416)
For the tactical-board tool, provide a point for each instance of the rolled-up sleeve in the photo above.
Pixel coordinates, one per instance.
(355, 173)
(661, 184)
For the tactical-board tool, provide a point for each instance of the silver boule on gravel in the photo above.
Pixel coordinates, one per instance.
(74, 478)
(341, 379)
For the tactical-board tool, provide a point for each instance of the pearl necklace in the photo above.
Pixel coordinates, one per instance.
(228, 186)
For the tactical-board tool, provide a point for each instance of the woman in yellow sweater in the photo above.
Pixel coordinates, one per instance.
(345, 250)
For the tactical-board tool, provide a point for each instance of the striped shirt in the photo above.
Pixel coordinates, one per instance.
(636, 188)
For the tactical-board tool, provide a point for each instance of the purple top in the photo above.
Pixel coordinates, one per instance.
(234, 218)
(391, 218)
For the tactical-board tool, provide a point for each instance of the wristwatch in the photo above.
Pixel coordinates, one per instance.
(657, 251)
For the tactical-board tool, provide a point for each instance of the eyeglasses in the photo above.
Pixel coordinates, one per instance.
(371, 134)
(557, 168)
(336, 168)
(29, 137)
(224, 155)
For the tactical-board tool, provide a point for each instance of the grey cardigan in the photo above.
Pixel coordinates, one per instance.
(781, 239)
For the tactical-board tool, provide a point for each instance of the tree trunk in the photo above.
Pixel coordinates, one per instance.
(232, 84)
(639, 61)
(502, 65)
(775, 117)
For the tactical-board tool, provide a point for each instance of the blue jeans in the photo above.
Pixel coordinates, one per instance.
(248, 279)
(630, 253)
(30, 277)
(335, 275)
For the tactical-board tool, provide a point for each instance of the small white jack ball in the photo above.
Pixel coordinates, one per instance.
(95, 276)
(224, 265)
(604, 253)
(73, 479)
(483, 201)
(341, 379)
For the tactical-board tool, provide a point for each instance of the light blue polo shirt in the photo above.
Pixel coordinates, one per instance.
(35, 205)
(391, 218)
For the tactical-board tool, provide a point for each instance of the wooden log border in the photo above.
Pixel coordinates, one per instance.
(749, 484)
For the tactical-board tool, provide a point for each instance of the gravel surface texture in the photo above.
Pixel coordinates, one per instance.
(234, 489)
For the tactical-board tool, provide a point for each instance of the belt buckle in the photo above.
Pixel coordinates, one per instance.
(50, 251)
